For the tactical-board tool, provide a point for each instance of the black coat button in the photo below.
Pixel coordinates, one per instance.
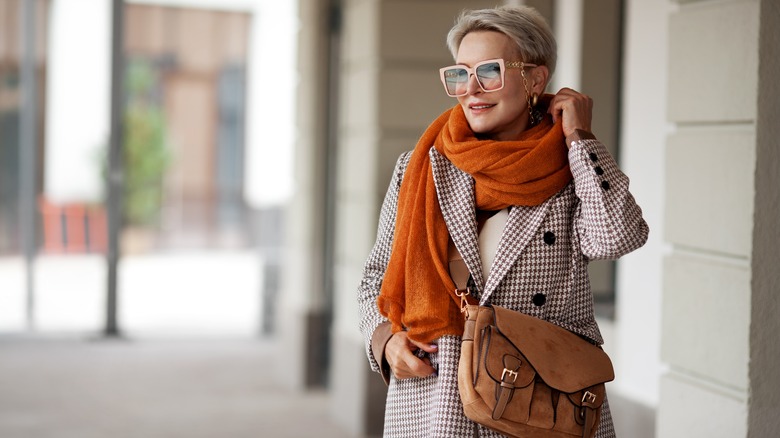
(539, 299)
(549, 237)
(605, 185)
(599, 170)
(593, 156)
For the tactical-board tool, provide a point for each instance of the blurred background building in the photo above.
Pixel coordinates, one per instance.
(257, 140)
(200, 184)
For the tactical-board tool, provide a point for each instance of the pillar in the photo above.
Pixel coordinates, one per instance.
(720, 296)
(389, 92)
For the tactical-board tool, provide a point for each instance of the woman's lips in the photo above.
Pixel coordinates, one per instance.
(480, 107)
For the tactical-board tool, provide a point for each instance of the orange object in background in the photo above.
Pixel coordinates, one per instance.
(75, 228)
(72, 227)
(97, 228)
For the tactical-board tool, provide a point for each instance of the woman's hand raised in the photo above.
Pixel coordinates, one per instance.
(573, 108)
(404, 363)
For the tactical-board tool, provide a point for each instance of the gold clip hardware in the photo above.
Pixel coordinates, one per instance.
(588, 397)
(462, 293)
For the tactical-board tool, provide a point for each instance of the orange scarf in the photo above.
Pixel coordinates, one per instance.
(417, 293)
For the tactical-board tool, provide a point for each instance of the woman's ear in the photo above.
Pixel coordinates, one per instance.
(539, 77)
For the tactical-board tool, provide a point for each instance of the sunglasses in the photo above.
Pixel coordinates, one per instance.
(489, 74)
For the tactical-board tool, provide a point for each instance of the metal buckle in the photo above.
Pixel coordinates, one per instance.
(462, 293)
(588, 397)
(512, 374)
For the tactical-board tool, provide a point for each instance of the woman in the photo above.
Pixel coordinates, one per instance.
(507, 148)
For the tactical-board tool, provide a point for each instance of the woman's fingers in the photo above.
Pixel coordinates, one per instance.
(400, 355)
(574, 109)
(428, 348)
(414, 366)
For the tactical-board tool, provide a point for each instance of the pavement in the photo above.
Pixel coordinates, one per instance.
(87, 387)
(191, 366)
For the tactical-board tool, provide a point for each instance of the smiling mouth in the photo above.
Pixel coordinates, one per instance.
(481, 106)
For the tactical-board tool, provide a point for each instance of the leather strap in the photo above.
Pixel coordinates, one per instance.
(589, 420)
(507, 386)
(504, 394)
(589, 405)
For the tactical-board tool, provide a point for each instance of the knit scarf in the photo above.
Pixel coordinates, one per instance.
(418, 294)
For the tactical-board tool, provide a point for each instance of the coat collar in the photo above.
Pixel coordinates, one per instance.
(455, 191)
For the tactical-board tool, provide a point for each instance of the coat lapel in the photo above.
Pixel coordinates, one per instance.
(455, 190)
(521, 226)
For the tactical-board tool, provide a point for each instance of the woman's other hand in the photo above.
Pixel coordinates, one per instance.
(400, 354)
(573, 108)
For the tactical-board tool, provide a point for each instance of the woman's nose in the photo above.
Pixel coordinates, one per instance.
(472, 86)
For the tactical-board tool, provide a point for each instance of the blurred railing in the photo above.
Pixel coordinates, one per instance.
(72, 227)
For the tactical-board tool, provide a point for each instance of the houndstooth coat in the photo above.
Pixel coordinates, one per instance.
(540, 268)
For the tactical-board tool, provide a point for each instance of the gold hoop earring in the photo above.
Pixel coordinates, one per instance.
(534, 115)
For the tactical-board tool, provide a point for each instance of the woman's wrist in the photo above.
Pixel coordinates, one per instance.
(578, 135)
(379, 339)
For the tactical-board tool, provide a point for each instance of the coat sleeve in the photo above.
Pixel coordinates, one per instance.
(374, 326)
(608, 220)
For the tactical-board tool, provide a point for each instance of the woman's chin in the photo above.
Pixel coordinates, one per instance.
(480, 127)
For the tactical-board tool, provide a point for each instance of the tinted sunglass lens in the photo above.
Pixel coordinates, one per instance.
(489, 76)
(456, 80)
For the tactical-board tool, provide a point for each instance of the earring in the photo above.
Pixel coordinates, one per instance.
(534, 115)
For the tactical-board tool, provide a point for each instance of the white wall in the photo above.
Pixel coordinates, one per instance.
(710, 178)
(643, 136)
(568, 35)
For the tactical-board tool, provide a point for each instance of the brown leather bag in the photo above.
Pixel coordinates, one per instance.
(525, 377)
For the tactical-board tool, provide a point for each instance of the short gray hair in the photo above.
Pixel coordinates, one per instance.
(523, 24)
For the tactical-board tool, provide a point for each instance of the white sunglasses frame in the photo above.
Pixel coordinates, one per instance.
(503, 65)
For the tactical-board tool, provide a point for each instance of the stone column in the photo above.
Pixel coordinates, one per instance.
(642, 138)
(720, 300)
(301, 308)
(389, 93)
(763, 418)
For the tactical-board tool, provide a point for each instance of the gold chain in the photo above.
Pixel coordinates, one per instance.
(527, 95)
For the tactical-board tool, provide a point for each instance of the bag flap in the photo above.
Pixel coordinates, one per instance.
(504, 362)
(562, 359)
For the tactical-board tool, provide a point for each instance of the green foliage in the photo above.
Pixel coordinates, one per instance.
(145, 153)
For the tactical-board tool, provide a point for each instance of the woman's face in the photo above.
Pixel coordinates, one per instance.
(498, 115)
